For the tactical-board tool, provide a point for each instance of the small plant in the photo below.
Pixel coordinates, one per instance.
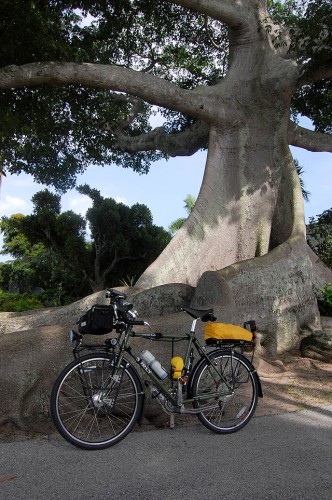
(15, 302)
(325, 301)
(19, 302)
(55, 298)
(128, 281)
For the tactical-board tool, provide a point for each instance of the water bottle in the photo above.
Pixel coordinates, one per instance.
(152, 363)
(156, 394)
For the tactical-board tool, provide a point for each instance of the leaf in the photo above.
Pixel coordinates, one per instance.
(7, 478)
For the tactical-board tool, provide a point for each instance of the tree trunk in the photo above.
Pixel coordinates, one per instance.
(250, 205)
(250, 202)
(244, 245)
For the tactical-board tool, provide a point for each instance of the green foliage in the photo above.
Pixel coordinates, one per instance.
(309, 23)
(319, 234)
(125, 240)
(15, 243)
(325, 302)
(51, 252)
(176, 224)
(55, 298)
(55, 132)
(300, 172)
(14, 302)
(19, 302)
(189, 203)
(314, 101)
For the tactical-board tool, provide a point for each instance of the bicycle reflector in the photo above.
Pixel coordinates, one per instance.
(74, 336)
(250, 325)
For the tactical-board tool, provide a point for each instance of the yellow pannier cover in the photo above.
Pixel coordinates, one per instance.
(223, 331)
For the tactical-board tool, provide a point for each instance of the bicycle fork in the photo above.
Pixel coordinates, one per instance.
(111, 385)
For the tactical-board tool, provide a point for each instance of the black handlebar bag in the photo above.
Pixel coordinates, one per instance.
(97, 321)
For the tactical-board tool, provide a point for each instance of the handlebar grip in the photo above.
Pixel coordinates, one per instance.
(136, 322)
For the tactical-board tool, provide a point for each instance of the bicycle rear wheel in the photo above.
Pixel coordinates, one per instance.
(92, 405)
(227, 392)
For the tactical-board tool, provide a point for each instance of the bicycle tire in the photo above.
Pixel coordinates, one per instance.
(232, 409)
(91, 406)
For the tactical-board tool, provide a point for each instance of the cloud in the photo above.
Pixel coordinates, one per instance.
(78, 204)
(119, 199)
(12, 204)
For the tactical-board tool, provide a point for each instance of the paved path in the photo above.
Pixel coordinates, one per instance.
(288, 456)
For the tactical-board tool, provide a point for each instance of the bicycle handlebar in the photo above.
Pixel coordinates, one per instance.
(135, 322)
(119, 298)
(112, 294)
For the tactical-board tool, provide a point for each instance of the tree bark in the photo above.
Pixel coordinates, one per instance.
(250, 200)
(243, 246)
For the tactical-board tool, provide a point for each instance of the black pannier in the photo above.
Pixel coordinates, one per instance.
(97, 321)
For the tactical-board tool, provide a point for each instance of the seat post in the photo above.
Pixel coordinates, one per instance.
(193, 325)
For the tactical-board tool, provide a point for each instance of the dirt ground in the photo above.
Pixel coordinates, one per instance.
(290, 383)
(294, 383)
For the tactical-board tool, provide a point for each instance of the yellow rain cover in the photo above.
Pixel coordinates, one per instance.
(223, 331)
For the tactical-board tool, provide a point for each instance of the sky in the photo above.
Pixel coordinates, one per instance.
(163, 189)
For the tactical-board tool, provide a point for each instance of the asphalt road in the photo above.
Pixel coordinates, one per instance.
(280, 457)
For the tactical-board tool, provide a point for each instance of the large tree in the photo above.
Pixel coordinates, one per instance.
(124, 240)
(229, 75)
(52, 247)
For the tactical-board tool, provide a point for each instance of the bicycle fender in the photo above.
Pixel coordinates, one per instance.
(126, 364)
(260, 390)
(254, 372)
(200, 361)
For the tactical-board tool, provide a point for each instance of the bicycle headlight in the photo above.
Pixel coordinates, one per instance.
(74, 336)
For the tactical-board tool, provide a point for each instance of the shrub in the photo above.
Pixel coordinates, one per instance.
(18, 302)
(55, 298)
(325, 301)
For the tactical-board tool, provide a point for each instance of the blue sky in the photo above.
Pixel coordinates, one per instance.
(163, 189)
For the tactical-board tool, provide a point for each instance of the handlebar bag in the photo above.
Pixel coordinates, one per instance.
(223, 331)
(97, 321)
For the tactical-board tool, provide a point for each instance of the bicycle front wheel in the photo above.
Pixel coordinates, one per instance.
(93, 405)
(226, 389)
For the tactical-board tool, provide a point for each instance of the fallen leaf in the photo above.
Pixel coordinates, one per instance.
(7, 478)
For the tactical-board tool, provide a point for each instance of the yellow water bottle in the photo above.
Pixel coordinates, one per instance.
(177, 367)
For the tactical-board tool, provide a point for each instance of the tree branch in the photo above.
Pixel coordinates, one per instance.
(226, 11)
(308, 139)
(310, 75)
(136, 107)
(115, 261)
(152, 89)
(184, 143)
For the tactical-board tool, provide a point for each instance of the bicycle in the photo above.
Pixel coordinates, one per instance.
(99, 397)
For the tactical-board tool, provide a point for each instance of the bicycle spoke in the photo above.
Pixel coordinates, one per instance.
(91, 408)
(225, 392)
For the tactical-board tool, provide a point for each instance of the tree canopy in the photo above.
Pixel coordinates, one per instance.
(55, 131)
(51, 251)
(320, 236)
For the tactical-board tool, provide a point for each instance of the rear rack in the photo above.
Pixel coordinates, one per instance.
(244, 345)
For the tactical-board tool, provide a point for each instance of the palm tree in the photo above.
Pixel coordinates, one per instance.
(189, 203)
(2, 172)
(300, 171)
